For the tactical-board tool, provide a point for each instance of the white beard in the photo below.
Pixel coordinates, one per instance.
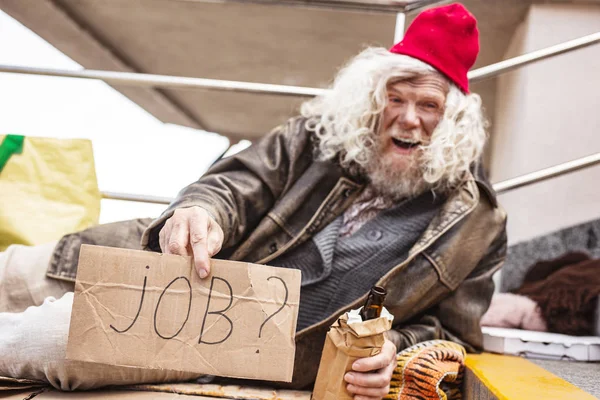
(393, 183)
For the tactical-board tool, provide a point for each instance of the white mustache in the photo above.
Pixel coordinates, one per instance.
(412, 136)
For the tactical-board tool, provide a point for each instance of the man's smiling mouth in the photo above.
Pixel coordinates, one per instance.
(406, 143)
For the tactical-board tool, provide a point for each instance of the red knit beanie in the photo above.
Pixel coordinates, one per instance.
(445, 38)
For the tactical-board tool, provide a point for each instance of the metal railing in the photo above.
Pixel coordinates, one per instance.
(140, 198)
(166, 81)
(502, 67)
(547, 173)
(145, 80)
(377, 6)
(500, 187)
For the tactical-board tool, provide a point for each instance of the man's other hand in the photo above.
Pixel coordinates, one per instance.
(370, 377)
(192, 232)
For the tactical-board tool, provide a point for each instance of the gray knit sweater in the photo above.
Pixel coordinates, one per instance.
(338, 270)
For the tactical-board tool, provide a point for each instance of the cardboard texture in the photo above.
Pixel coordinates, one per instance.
(166, 391)
(150, 310)
(346, 342)
(223, 391)
(110, 394)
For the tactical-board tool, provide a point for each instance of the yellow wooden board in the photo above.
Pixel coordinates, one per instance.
(515, 378)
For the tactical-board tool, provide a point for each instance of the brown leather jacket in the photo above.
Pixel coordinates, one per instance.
(274, 196)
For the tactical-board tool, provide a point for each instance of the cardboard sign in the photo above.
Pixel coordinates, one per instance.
(150, 310)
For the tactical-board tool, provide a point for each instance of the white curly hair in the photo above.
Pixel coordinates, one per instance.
(346, 118)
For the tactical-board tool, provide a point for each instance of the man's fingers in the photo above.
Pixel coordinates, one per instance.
(177, 241)
(199, 241)
(370, 385)
(163, 235)
(215, 239)
(371, 376)
(192, 231)
(376, 362)
(368, 392)
(370, 380)
(379, 361)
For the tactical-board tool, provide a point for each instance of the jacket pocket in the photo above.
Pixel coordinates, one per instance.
(414, 288)
(443, 274)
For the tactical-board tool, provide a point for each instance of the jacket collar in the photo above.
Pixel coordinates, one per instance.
(460, 201)
(478, 173)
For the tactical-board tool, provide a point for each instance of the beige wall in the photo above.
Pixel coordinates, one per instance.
(546, 114)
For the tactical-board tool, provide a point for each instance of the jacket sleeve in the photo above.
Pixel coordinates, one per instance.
(239, 190)
(457, 317)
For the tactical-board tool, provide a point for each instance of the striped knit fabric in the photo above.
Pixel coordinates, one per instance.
(338, 270)
(431, 370)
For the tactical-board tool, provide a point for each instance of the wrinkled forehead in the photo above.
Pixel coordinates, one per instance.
(433, 83)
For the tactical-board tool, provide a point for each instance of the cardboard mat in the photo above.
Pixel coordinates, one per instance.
(163, 391)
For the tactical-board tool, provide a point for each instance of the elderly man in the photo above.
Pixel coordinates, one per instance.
(375, 183)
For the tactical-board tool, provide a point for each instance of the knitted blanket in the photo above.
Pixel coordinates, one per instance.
(428, 370)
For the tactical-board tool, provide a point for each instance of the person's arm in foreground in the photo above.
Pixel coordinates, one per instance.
(230, 199)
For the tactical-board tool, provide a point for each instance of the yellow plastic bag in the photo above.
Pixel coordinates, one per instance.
(48, 188)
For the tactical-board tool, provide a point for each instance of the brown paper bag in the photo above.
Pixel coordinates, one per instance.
(348, 339)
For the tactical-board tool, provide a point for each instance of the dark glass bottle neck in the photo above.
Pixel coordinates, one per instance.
(374, 304)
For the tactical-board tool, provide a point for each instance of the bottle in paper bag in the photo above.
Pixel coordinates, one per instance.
(374, 304)
(349, 339)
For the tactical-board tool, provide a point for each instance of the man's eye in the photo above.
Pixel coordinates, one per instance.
(395, 100)
(431, 106)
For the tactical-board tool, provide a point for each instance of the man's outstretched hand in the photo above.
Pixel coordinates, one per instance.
(192, 232)
(370, 377)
